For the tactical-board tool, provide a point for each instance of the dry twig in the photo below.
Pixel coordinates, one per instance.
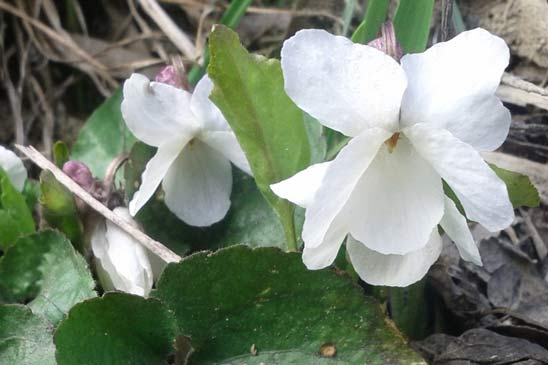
(154, 246)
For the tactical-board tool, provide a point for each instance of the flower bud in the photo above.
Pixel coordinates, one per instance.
(80, 173)
(173, 75)
(122, 263)
(387, 42)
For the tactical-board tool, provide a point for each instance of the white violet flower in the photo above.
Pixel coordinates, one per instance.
(14, 168)
(195, 148)
(412, 125)
(121, 262)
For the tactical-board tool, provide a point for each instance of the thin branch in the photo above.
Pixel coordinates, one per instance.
(154, 246)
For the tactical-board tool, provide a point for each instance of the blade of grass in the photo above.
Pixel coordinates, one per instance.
(374, 16)
(412, 24)
(347, 15)
(231, 18)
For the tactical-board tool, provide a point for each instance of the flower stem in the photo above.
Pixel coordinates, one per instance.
(288, 223)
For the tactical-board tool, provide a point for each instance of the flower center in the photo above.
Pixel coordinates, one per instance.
(392, 141)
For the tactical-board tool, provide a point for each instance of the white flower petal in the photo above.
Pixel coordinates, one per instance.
(348, 87)
(207, 113)
(340, 179)
(155, 111)
(155, 171)
(197, 186)
(397, 202)
(393, 270)
(301, 188)
(226, 143)
(14, 168)
(455, 226)
(482, 193)
(316, 258)
(122, 260)
(452, 85)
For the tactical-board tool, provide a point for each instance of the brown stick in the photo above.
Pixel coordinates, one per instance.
(154, 246)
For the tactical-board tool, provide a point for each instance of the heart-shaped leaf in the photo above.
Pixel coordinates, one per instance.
(240, 301)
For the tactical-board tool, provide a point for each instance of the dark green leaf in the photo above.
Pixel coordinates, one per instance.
(520, 189)
(45, 269)
(249, 90)
(60, 209)
(116, 329)
(374, 16)
(15, 217)
(239, 298)
(103, 137)
(31, 192)
(412, 24)
(25, 339)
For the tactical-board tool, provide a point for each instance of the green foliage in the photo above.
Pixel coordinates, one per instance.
(60, 209)
(374, 16)
(61, 153)
(409, 309)
(116, 329)
(25, 339)
(412, 24)
(231, 18)
(316, 139)
(239, 297)
(31, 192)
(43, 268)
(103, 137)
(15, 217)
(249, 90)
(250, 219)
(520, 189)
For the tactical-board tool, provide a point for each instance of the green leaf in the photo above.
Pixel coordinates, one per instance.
(116, 329)
(238, 298)
(520, 189)
(31, 192)
(15, 217)
(249, 90)
(61, 153)
(103, 137)
(60, 209)
(374, 16)
(231, 18)
(250, 219)
(25, 339)
(316, 139)
(412, 24)
(43, 268)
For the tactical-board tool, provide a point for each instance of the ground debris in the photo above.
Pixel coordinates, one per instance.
(480, 346)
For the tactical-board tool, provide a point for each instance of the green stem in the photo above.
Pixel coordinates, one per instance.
(288, 223)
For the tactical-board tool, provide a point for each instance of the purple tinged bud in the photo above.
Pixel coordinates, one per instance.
(171, 76)
(387, 42)
(80, 173)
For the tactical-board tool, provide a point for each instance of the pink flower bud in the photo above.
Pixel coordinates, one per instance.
(171, 76)
(387, 42)
(80, 173)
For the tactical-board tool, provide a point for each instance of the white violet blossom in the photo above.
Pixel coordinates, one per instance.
(195, 148)
(14, 168)
(122, 263)
(412, 125)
